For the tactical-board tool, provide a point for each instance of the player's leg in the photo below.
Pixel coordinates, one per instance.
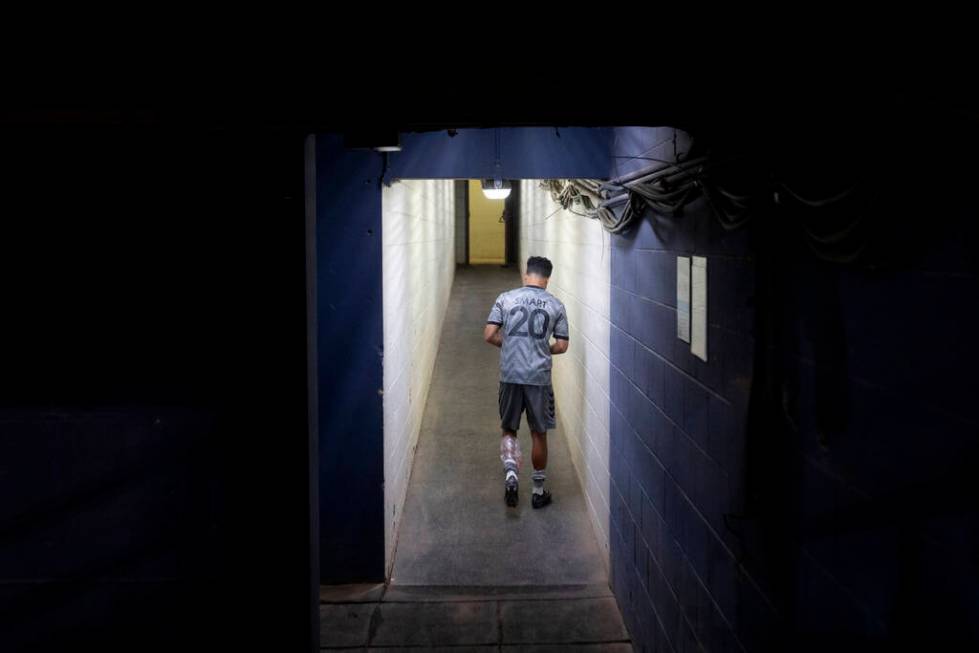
(539, 454)
(511, 405)
(540, 416)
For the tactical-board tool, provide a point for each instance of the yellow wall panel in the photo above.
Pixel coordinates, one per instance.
(486, 232)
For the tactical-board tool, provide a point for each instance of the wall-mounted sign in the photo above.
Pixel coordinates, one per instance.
(698, 340)
(683, 298)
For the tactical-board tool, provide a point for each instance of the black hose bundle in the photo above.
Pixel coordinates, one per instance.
(733, 192)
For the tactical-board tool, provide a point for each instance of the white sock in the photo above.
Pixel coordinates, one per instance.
(539, 477)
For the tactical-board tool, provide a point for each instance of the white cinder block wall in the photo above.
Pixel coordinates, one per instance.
(580, 252)
(418, 224)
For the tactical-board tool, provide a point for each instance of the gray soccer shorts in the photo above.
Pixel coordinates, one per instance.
(537, 400)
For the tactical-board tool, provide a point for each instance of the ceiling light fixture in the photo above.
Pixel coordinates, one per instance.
(496, 189)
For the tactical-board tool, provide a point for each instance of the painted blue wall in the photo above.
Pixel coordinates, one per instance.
(349, 310)
(350, 341)
(814, 491)
(525, 153)
(676, 421)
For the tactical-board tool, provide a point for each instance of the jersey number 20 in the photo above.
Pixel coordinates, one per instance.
(524, 315)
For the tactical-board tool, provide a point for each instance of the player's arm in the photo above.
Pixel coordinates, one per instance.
(493, 334)
(560, 344)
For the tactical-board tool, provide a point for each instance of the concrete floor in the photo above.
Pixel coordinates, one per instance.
(362, 617)
(456, 529)
(471, 574)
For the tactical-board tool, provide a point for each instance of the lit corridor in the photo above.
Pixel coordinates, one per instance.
(467, 569)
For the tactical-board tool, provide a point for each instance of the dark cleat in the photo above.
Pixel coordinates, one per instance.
(511, 492)
(540, 500)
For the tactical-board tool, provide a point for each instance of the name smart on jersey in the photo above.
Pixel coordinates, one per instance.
(530, 301)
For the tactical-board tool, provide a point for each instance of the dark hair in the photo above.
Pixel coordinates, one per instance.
(540, 266)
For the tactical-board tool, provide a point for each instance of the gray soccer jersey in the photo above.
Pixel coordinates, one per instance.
(528, 317)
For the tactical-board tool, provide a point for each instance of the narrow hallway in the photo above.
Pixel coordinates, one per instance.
(456, 530)
(468, 571)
